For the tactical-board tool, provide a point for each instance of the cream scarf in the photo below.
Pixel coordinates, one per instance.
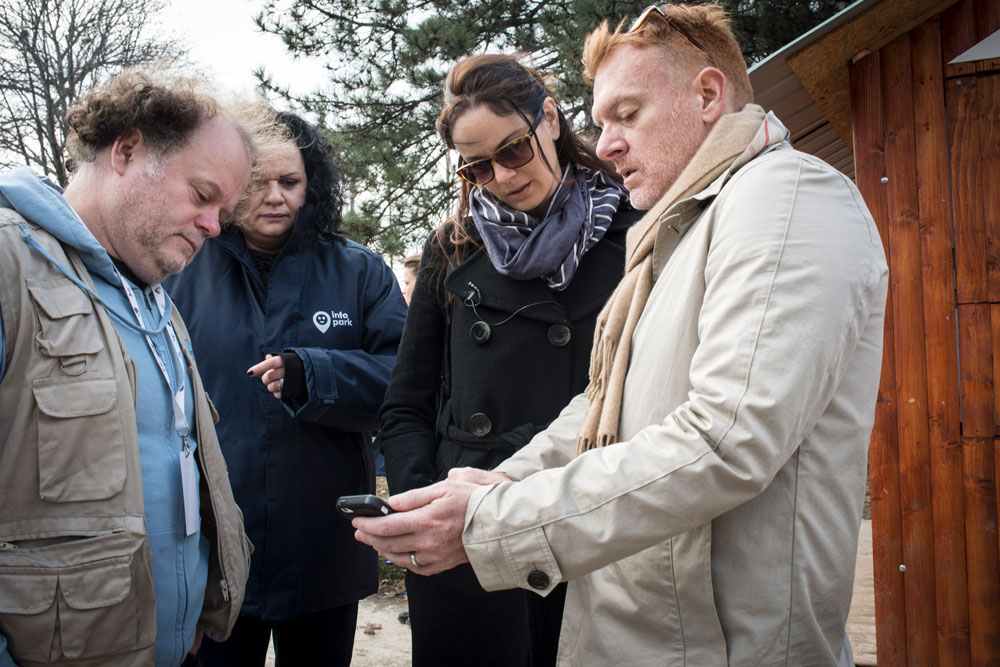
(733, 135)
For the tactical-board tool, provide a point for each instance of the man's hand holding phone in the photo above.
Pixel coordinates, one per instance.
(424, 531)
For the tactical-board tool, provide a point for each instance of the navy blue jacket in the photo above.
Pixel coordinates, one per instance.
(339, 307)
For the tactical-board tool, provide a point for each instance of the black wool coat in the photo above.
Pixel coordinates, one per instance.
(473, 391)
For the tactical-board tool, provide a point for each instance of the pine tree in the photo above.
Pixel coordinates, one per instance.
(386, 61)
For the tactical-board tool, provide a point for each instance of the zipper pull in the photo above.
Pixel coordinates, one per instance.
(7, 546)
(224, 585)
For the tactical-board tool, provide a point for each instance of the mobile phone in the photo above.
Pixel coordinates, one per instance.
(362, 505)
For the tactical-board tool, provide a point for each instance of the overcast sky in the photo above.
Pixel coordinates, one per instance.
(221, 37)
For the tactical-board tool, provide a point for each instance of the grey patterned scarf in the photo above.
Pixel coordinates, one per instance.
(577, 217)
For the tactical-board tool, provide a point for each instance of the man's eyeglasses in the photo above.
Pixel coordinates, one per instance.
(654, 9)
(511, 155)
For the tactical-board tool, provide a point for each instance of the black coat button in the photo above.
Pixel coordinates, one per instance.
(559, 335)
(538, 580)
(480, 424)
(480, 332)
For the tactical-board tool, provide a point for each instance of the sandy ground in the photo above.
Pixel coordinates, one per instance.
(861, 620)
(388, 644)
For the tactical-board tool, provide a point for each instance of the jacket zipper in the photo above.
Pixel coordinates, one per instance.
(7, 546)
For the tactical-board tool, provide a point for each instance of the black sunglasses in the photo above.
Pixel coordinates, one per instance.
(511, 155)
(653, 9)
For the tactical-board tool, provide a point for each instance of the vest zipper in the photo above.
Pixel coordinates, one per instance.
(7, 546)
(225, 589)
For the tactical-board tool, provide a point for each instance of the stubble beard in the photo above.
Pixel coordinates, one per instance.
(669, 155)
(143, 205)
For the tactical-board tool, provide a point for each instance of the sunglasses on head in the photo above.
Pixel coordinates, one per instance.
(654, 9)
(511, 155)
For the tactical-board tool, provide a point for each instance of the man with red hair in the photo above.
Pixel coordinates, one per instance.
(704, 496)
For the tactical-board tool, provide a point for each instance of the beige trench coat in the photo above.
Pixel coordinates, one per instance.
(723, 527)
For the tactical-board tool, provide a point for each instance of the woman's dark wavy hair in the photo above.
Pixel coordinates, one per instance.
(505, 86)
(324, 176)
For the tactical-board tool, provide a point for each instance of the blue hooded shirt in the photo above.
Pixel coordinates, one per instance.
(180, 562)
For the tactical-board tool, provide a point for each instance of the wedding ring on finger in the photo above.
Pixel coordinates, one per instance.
(413, 560)
(281, 384)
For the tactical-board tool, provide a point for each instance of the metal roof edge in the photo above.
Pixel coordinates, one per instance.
(840, 18)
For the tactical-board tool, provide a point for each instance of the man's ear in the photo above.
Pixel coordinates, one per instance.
(711, 87)
(126, 149)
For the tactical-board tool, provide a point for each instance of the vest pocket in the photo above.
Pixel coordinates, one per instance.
(87, 610)
(81, 448)
(64, 312)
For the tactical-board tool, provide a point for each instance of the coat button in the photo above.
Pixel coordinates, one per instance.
(480, 332)
(480, 424)
(559, 335)
(538, 580)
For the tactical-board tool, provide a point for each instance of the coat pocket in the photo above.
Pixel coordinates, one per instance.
(87, 610)
(81, 447)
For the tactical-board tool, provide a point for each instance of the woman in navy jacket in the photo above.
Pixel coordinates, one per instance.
(316, 319)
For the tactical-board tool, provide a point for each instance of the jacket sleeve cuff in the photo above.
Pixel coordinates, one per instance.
(521, 559)
(320, 381)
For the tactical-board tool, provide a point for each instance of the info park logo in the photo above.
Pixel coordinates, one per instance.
(324, 320)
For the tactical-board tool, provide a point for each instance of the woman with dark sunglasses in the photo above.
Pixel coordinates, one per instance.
(499, 332)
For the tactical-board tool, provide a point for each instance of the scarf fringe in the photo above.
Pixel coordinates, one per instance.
(586, 444)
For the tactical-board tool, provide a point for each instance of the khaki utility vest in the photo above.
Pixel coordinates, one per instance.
(75, 566)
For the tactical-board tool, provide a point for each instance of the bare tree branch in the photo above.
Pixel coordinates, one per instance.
(53, 52)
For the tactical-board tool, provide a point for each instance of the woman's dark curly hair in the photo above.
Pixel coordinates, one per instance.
(166, 111)
(324, 177)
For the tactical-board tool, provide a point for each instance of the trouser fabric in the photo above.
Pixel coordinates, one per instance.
(455, 622)
(322, 638)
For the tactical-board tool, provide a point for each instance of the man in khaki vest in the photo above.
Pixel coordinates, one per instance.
(704, 496)
(120, 542)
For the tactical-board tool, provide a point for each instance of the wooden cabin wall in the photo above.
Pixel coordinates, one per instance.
(927, 159)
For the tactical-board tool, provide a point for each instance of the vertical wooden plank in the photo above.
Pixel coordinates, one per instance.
(883, 454)
(958, 34)
(951, 585)
(966, 196)
(995, 327)
(976, 360)
(995, 340)
(988, 89)
(984, 561)
(996, 476)
(905, 271)
(976, 366)
(987, 22)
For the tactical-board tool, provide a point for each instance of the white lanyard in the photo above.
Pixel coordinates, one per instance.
(180, 419)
